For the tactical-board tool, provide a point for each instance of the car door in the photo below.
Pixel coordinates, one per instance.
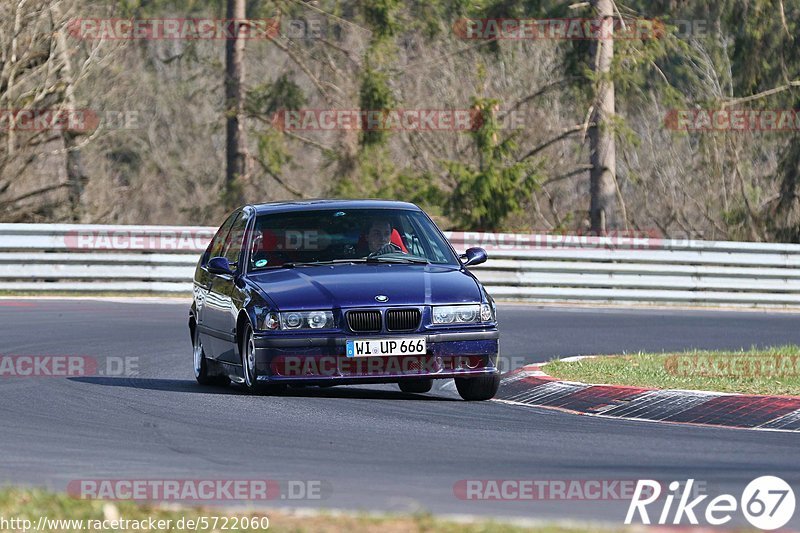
(202, 285)
(224, 295)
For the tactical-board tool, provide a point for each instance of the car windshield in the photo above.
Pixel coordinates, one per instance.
(303, 238)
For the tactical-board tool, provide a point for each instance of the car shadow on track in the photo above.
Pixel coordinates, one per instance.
(191, 386)
(344, 391)
(158, 384)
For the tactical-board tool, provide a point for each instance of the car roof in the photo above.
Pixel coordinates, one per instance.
(310, 205)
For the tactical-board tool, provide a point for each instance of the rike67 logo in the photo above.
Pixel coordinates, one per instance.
(767, 503)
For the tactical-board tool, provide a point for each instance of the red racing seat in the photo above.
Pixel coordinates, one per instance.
(397, 240)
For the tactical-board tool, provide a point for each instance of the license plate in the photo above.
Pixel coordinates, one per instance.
(386, 347)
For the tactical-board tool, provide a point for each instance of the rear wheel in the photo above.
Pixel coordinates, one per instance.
(201, 365)
(478, 388)
(418, 386)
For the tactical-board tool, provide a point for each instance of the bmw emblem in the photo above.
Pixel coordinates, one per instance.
(382, 298)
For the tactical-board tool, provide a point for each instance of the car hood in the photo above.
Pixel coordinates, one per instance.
(356, 285)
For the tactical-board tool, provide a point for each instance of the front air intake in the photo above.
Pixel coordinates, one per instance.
(364, 321)
(402, 319)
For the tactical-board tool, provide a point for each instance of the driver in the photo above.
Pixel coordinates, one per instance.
(379, 238)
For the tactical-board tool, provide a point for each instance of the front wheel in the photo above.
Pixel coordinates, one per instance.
(418, 386)
(478, 388)
(249, 368)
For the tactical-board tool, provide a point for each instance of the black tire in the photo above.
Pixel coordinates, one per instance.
(478, 388)
(202, 371)
(249, 368)
(417, 386)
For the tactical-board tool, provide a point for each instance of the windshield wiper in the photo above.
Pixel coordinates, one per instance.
(315, 263)
(376, 259)
(397, 259)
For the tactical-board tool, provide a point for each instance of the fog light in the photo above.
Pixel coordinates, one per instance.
(486, 313)
(272, 321)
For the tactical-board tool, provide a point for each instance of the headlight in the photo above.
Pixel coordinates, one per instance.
(466, 314)
(444, 315)
(307, 320)
(292, 320)
(318, 319)
(462, 314)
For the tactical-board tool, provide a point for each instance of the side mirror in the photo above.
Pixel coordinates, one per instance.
(474, 256)
(219, 266)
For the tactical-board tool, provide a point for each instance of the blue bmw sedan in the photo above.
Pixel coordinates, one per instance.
(333, 292)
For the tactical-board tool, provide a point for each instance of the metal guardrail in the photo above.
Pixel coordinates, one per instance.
(100, 258)
(637, 268)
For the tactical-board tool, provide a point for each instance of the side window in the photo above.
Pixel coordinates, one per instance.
(235, 240)
(424, 234)
(218, 242)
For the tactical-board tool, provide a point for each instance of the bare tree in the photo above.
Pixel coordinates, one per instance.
(39, 71)
(235, 145)
(76, 174)
(603, 209)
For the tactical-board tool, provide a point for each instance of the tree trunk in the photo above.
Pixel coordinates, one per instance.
(786, 216)
(76, 174)
(235, 149)
(603, 207)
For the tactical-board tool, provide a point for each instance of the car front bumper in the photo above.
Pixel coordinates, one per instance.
(321, 359)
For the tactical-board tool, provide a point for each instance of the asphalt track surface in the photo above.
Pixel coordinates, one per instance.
(374, 448)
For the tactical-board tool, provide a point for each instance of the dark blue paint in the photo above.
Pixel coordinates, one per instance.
(226, 302)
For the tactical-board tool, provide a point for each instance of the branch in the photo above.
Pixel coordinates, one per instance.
(621, 200)
(783, 19)
(578, 170)
(563, 135)
(343, 50)
(299, 62)
(293, 135)
(280, 181)
(437, 59)
(33, 193)
(536, 94)
(763, 94)
(308, 141)
(309, 5)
